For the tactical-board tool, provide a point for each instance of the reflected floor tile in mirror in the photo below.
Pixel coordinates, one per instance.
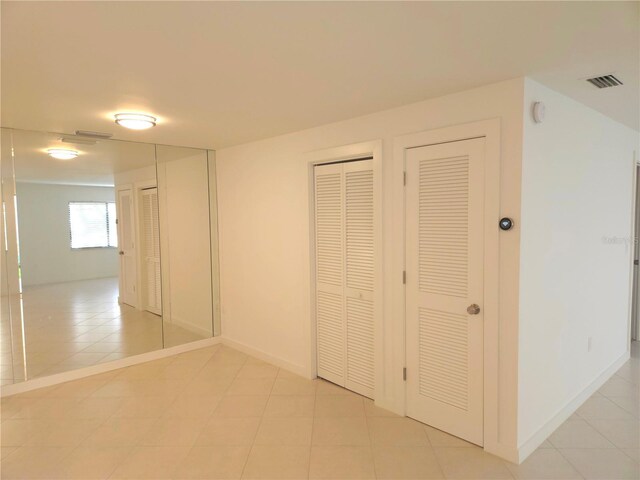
(73, 325)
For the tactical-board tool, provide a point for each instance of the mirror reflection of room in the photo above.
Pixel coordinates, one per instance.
(88, 253)
(186, 229)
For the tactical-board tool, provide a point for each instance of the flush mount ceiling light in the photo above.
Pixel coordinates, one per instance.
(62, 153)
(135, 121)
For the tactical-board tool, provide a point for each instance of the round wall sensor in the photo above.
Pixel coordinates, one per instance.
(538, 112)
(506, 223)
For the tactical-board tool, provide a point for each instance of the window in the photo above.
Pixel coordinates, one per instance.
(93, 224)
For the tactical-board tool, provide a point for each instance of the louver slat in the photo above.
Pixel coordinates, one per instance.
(605, 81)
(151, 244)
(329, 228)
(360, 353)
(330, 333)
(443, 357)
(359, 229)
(443, 226)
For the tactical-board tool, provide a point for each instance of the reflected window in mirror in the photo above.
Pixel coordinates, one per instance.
(116, 253)
(93, 224)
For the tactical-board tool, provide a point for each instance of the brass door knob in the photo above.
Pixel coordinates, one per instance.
(473, 309)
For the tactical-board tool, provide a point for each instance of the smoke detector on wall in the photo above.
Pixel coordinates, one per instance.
(605, 81)
(538, 111)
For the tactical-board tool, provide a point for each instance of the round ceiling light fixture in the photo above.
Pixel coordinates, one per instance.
(135, 121)
(62, 153)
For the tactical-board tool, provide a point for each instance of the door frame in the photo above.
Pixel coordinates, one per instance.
(373, 150)
(634, 310)
(490, 131)
(136, 191)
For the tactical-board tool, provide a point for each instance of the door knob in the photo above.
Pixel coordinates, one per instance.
(120, 252)
(473, 309)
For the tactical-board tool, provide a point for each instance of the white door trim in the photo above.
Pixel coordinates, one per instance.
(372, 149)
(634, 282)
(490, 130)
(136, 190)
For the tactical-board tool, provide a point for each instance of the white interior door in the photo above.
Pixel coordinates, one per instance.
(345, 274)
(152, 295)
(444, 268)
(126, 242)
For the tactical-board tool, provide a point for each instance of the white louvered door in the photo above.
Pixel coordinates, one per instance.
(151, 237)
(345, 274)
(444, 264)
(126, 242)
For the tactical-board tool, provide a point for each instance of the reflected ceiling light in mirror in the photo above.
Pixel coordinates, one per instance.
(135, 121)
(62, 153)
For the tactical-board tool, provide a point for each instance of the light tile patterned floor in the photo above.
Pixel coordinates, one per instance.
(78, 324)
(216, 413)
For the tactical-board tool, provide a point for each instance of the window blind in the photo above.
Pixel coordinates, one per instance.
(93, 224)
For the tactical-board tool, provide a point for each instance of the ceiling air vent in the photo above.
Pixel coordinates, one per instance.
(77, 140)
(605, 81)
(96, 135)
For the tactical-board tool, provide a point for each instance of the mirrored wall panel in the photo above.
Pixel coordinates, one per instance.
(185, 244)
(113, 253)
(11, 335)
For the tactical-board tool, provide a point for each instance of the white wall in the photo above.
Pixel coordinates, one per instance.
(577, 178)
(263, 201)
(43, 221)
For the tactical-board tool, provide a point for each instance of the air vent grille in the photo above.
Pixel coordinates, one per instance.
(77, 140)
(605, 81)
(96, 135)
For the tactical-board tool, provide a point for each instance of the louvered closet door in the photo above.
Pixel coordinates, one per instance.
(329, 212)
(444, 262)
(150, 221)
(345, 279)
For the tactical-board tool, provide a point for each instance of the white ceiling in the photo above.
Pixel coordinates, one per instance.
(218, 74)
(95, 165)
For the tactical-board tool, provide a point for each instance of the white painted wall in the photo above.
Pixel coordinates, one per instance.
(577, 178)
(263, 201)
(43, 221)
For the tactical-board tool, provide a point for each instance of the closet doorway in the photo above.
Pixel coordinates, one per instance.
(445, 287)
(151, 281)
(345, 279)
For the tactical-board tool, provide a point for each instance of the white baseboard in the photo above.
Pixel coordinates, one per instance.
(203, 332)
(528, 447)
(503, 451)
(278, 362)
(63, 377)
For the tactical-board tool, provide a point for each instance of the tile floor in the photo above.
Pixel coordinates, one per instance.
(77, 324)
(216, 413)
